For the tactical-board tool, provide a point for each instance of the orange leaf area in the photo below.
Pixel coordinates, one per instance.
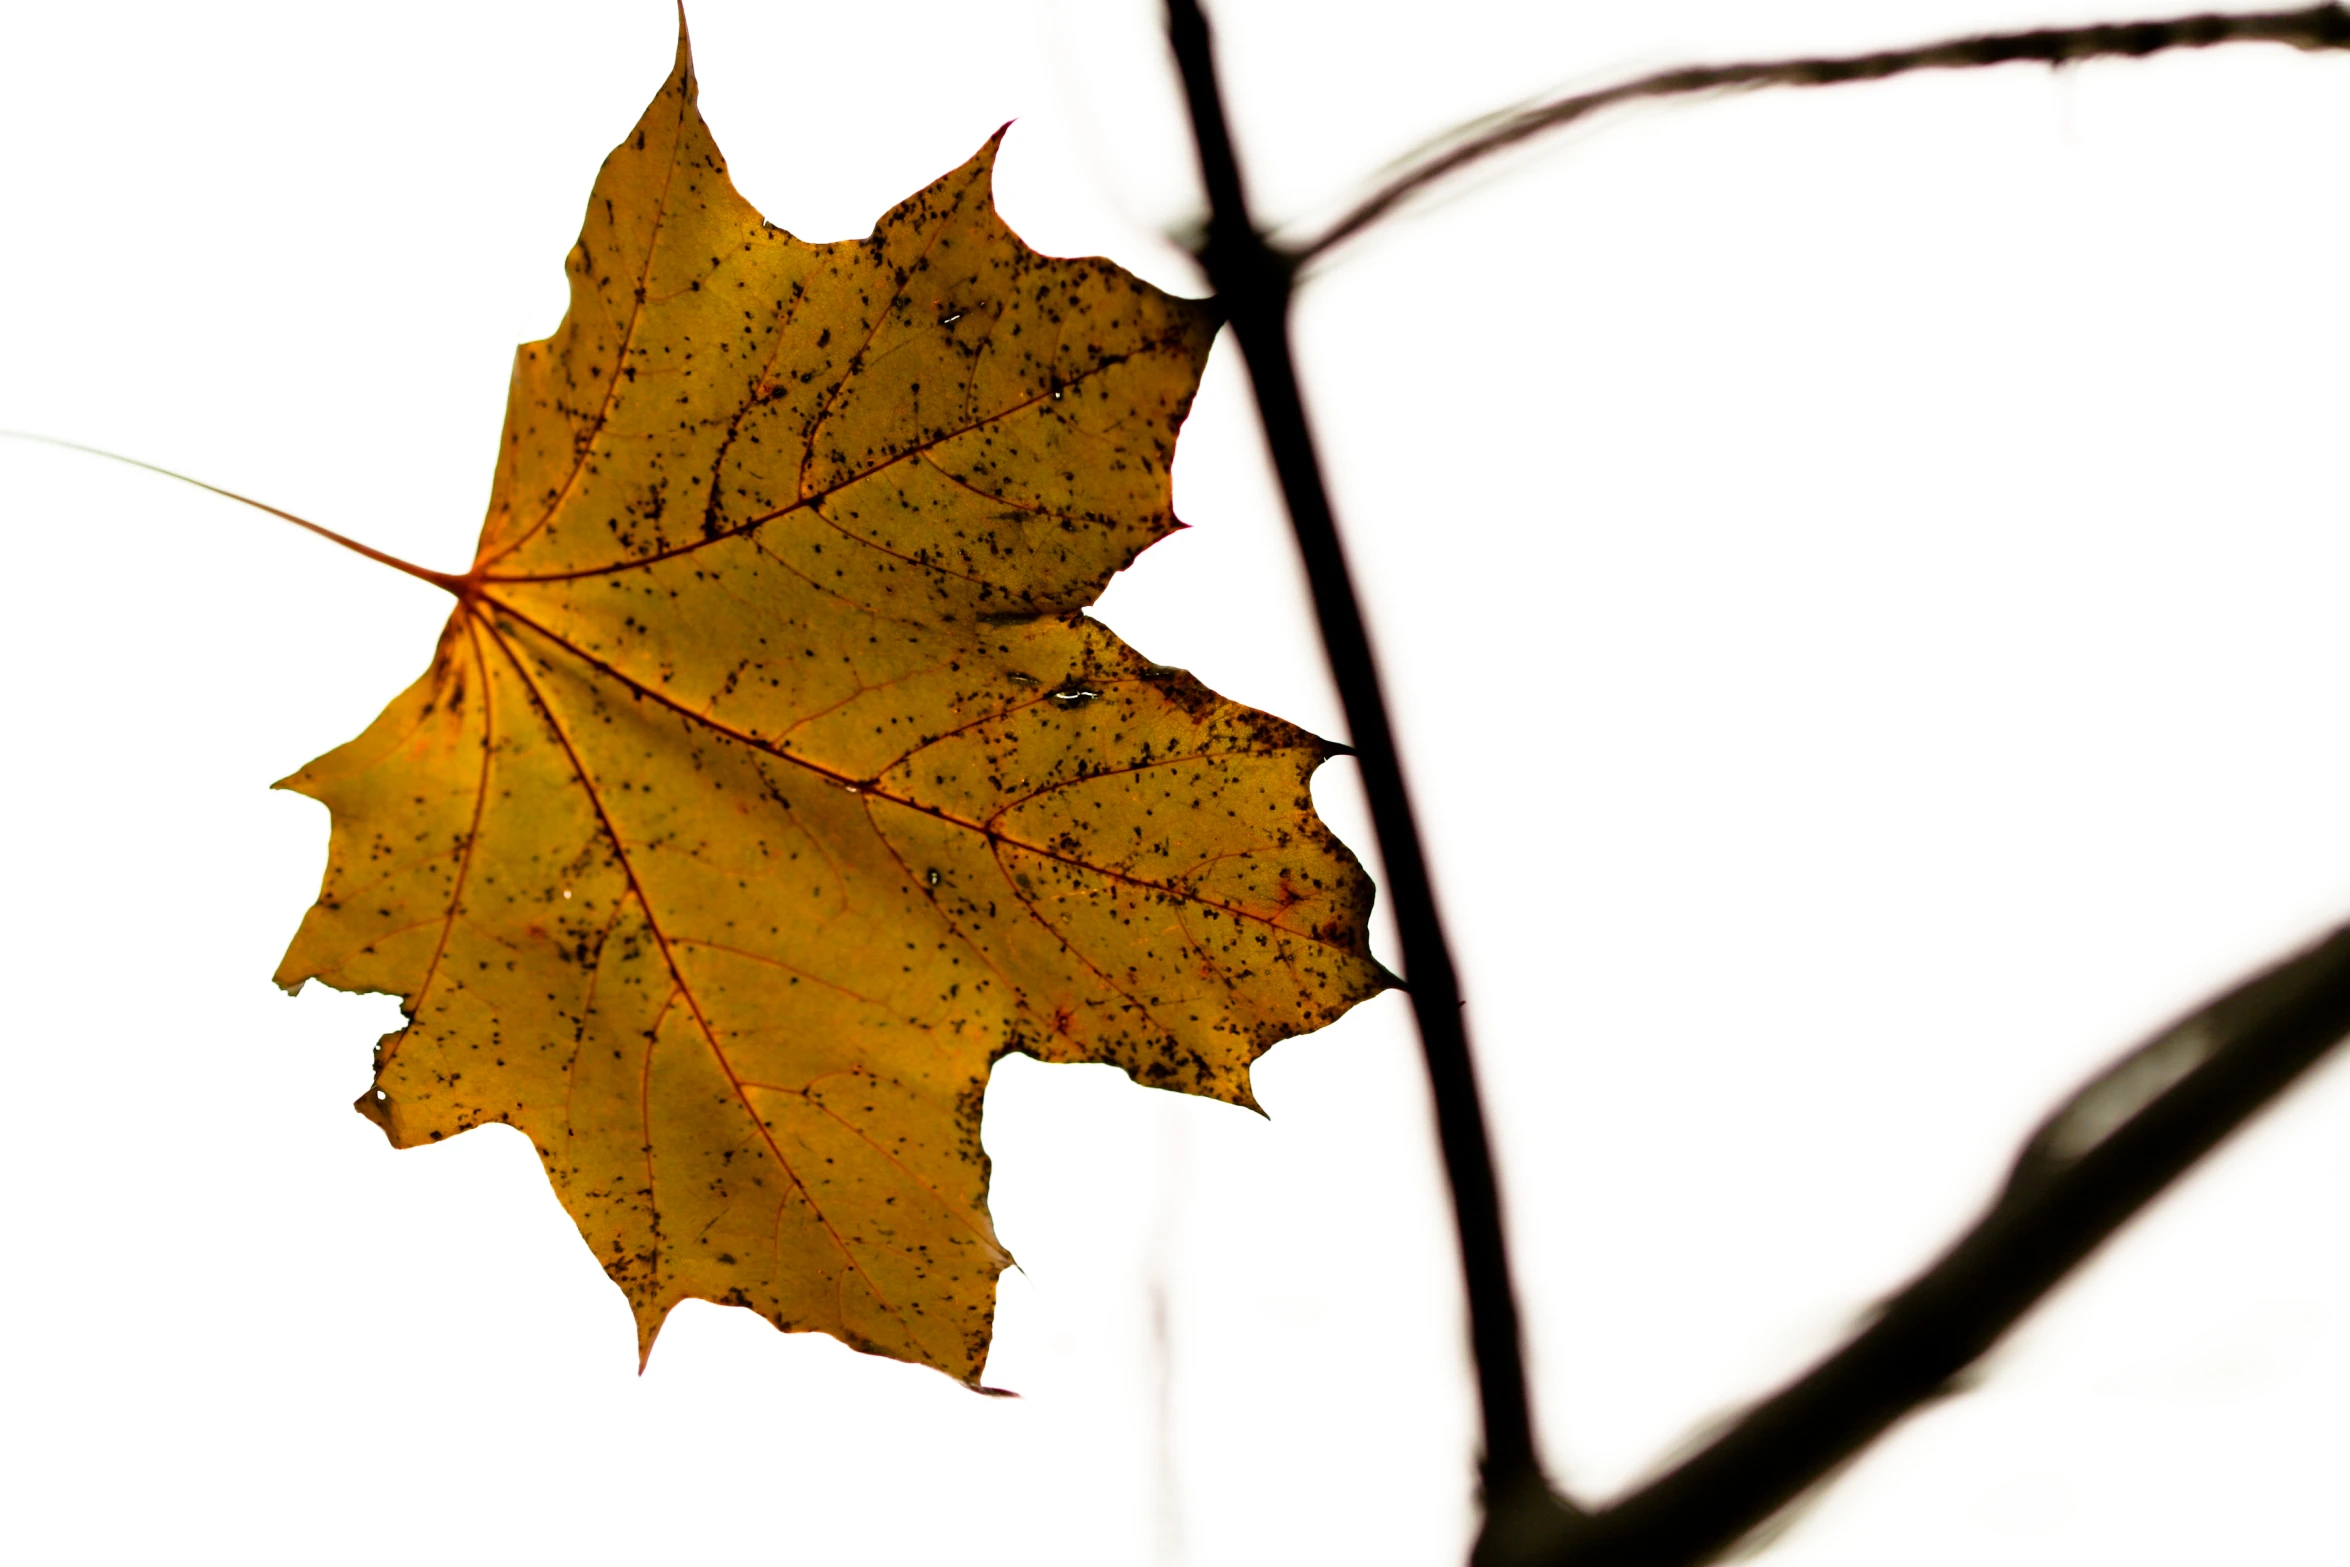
(769, 784)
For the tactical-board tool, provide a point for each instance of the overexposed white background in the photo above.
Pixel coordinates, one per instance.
(1863, 575)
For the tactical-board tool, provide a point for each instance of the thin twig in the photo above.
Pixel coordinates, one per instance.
(1253, 286)
(2317, 27)
(2113, 1147)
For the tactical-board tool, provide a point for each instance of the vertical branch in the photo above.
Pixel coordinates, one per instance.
(1252, 284)
(2099, 1159)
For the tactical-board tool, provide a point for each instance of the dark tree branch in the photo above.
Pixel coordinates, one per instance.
(1253, 285)
(2103, 1156)
(2318, 27)
(2106, 1153)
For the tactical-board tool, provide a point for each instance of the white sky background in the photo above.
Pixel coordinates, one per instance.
(1861, 573)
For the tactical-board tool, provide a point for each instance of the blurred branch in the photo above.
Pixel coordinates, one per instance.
(1253, 287)
(2317, 27)
(2107, 1152)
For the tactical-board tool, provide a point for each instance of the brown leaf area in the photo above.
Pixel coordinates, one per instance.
(768, 783)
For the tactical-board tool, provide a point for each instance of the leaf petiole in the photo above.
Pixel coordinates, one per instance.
(461, 586)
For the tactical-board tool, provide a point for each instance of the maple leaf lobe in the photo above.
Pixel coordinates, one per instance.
(768, 783)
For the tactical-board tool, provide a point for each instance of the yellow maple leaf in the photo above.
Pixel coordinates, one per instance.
(768, 783)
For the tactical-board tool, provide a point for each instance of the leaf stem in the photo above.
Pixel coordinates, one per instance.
(1253, 286)
(2314, 28)
(2106, 1153)
(447, 581)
